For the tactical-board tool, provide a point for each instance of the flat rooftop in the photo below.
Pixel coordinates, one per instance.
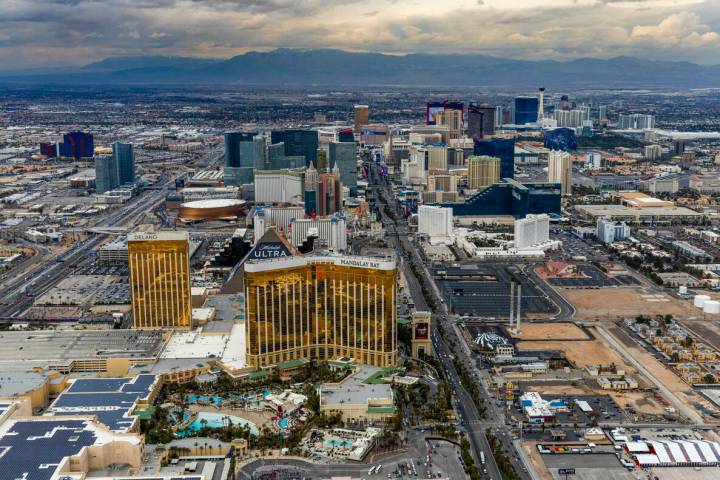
(21, 351)
(354, 390)
(621, 211)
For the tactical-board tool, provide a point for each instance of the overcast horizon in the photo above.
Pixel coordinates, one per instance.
(52, 33)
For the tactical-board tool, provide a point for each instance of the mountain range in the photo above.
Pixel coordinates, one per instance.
(336, 67)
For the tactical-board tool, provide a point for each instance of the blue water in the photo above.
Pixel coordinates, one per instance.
(216, 399)
(217, 420)
(283, 423)
(339, 443)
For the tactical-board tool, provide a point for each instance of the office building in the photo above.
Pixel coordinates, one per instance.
(362, 117)
(652, 152)
(77, 145)
(124, 158)
(279, 186)
(278, 160)
(344, 156)
(321, 307)
(560, 170)
(526, 110)
(609, 231)
(481, 121)
(510, 198)
(636, 121)
(502, 148)
(298, 143)
(436, 223)
(160, 279)
(106, 173)
(239, 165)
(531, 231)
(252, 157)
(483, 171)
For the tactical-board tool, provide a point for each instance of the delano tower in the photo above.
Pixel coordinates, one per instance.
(160, 279)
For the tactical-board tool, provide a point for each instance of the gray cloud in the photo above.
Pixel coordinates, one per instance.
(51, 32)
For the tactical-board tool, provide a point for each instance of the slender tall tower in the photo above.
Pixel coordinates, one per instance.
(541, 107)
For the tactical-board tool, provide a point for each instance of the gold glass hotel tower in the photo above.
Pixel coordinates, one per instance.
(160, 279)
(321, 307)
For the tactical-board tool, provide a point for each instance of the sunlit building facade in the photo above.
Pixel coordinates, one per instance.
(321, 307)
(160, 279)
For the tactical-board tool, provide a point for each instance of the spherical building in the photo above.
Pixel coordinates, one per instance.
(213, 209)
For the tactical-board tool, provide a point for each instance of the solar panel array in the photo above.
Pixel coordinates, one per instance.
(111, 400)
(32, 450)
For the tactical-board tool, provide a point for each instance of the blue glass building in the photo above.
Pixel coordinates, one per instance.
(510, 198)
(561, 139)
(502, 148)
(526, 110)
(124, 158)
(298, 143)
(106, 173)
(344, 155)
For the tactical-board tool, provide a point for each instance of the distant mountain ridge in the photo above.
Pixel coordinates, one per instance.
(286, 66)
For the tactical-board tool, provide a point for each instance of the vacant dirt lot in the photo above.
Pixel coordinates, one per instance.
(642, 402)
(615, 303)
(580, 352)
(551, 331)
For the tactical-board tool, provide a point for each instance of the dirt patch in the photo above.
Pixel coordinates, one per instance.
(615, 303)
(579, 389)
(551, 331)
(640, 401)
(580, 353)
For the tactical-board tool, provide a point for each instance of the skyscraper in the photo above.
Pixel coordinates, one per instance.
(311, 186)
(346, 135)
(329, 193)
(362, 117)
(243, 153)
(481, 121)
(560, 170)
(502, 148)
(344, 156)
(124, 158)
(77, 145)
(321, 307)
(483, 171)
(106, 173)
(298, 143)
(526, 110)
(160, 279)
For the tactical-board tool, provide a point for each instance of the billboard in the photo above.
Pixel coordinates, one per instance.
(432, 109)
(422, 331)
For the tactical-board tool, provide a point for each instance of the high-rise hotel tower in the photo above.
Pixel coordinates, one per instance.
(321, 307)
(160, 279)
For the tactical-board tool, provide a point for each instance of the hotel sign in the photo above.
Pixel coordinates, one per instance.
(353, 262)
(270, 250)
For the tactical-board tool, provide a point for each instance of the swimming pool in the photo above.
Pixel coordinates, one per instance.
(216, 399)
(217, 420)
(339, 443)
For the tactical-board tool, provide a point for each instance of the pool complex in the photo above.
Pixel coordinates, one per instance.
(217, 420)
(339, 443)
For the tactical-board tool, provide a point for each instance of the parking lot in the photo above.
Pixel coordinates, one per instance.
(484, 291)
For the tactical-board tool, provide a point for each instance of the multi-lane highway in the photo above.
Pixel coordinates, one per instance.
(472, 423)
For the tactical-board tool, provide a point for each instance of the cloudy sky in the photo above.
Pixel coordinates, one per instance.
(39, 33)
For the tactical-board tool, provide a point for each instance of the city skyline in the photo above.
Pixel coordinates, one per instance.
(78, 32)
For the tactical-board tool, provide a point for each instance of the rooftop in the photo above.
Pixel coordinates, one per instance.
(354, 390)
